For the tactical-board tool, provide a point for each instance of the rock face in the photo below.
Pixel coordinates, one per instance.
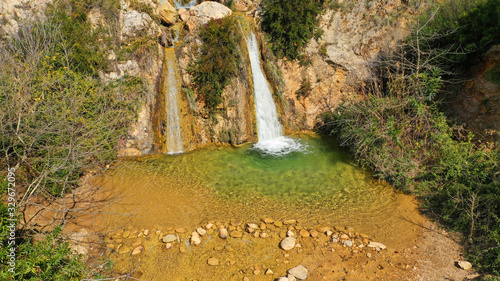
(204, 12)
(134, 23)
(167, 13)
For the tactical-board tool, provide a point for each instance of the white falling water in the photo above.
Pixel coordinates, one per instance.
(271, 139)
(173, 134)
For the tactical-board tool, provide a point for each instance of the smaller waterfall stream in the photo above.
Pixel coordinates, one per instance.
(171, 89)
(271, 139)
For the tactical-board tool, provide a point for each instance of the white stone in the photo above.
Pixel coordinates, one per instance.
(282, 279)
(169, 238)
(290, 233)
(195, 238)
(223, 233)
(135, 23)
(300, 272)
(288, 243)
(201, 231)
(464, 265)
(329, 232)
(347, 243)
(291, 278)
(377, 245)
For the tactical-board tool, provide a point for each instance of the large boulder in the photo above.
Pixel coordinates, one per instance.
(167, 13)
(206, 11)
(135, 24)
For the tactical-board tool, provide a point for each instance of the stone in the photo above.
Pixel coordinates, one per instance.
(263, 226)
(347, 243)
(290, 233)
(251, 227)
(123, 250)
(278, 224)
(314, 233)
(299, 272)
(465, 265)
(166, 12)
(344, 236)
(223, 233)
(138, 250)
(236, 222)
(180, 230)
(335, 238)
(209, 225)
(169, 238)
(368, 255)
(377, 245)
(201, 231)
(146, 232)
(291, 221)
(213, 261)
(328, 233)
(79, 250)
(168, 245)
(268, 220)
(304, 233)
(134, 23)
(282, 279)
(288, 243)
(246, 279)
(195, 238)
(291, 278)
(263, 235)
(323, 229)
(236, 234)
(184, 14)
(111, 246)
(137, 243)
(269, 272)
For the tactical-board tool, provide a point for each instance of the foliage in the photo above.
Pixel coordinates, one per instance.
(463, 27)
(305, 89)
(219, 60)
(397, 131)
(49, 259)
(290, 24)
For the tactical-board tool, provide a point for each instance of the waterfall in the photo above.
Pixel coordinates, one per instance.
(271, 139)
(171, 89)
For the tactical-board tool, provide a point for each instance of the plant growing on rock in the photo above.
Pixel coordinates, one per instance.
(219, 60)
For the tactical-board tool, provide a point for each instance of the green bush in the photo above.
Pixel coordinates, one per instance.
(219, 60)
(290, 24)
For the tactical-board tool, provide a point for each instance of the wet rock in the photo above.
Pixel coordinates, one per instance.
(195, 238)
(263, 235)
(335, 238)
(290, 233)
(146, 232)
(304, 233)
(223, 233)
(288, 243)
(314, 233)
(323, 229)
(236, 234)
(123, 250)
(347, 243)
(180, 230)
(465, 265)
(201, 231)
(169, 238)
(251, 227)
(278, 224)
(299, 272)
(213, 261)
(328, 233)
(138, 250)
(344, 236)
(377, 245)
(291, 278)
(291, 221)
(268, 220)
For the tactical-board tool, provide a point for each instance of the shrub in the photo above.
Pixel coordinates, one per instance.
(290, 24)
(219, 60)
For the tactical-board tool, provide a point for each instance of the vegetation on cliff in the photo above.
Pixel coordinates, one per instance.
(219, 60)
(290, 24)
(59, 121)
(397, 130)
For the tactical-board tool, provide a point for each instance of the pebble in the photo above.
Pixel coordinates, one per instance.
(282, 279)
(291, 278)
(236, 222)
(347, 243)
(201, 231)
(223, 233)
(146, 232)
(290, 233)
(209, 225)
(169, 238)
(268, 220)
(328, 233)
(368, 255)
(278, 224)
(124, 250)
(344, 236)
(288, 243)
(168, 246)
(213, 261)
(300, 272)
(246, 279)
(182, 249)
(291, 221)
(137, 243)
(314, 233)
(377, 245)
(256, 272)
(304, 233)
(180, 230)
(236, 234)
(335, 239)
(263, 235)
(138, 250)
(263, 226)
(465, 265)
(323, 229)
(195, 238)
(269, 272)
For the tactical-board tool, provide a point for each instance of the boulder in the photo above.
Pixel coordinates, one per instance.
(167, 13)
(135, 23)
(204, 12)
